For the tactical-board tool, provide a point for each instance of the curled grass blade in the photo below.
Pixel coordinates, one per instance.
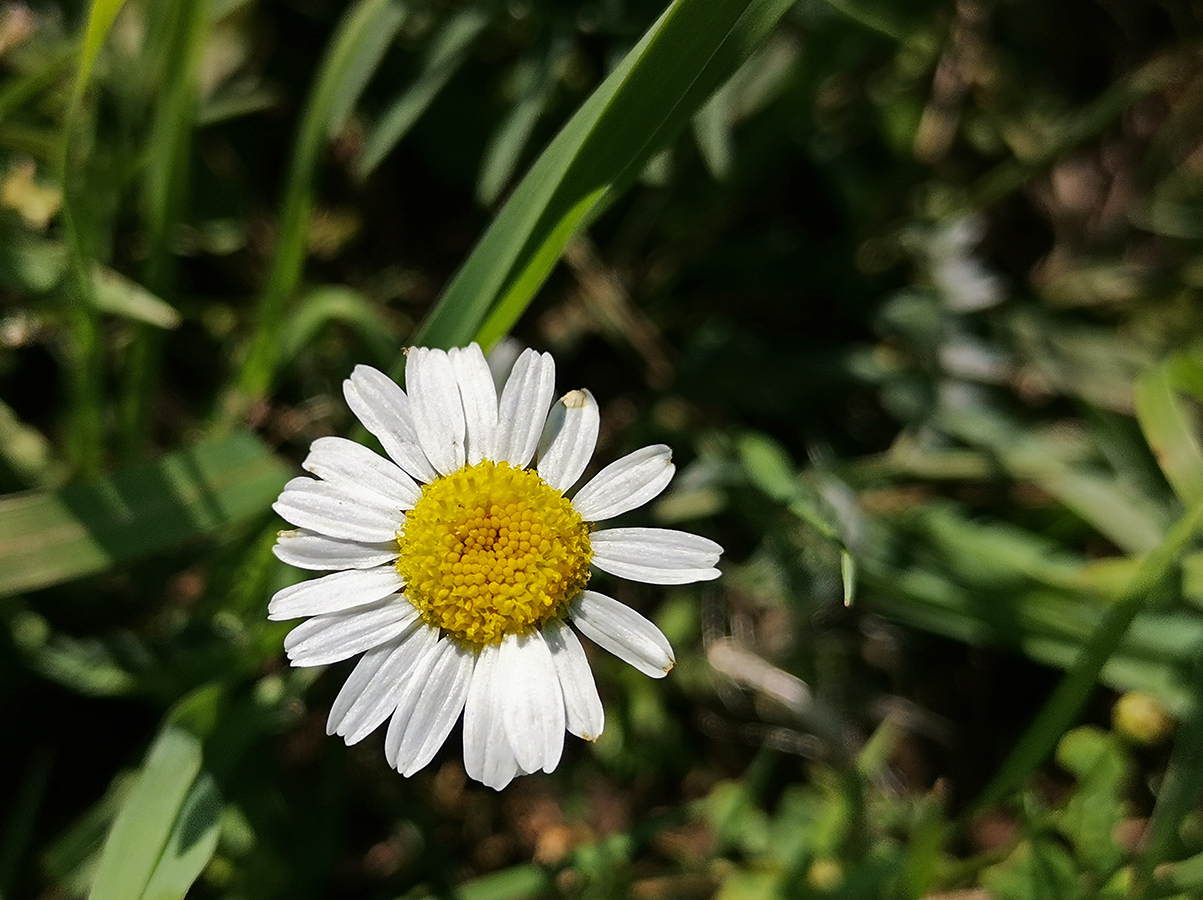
(335, 303)
(687, 54)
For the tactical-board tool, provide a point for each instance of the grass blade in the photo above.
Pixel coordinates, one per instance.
(191, 843)
(336, 303)
(147, 818)
(1179, 791)
(445, 55)
(1072, 693)
(1169, 433)
(356, 49)
(46, 538)
(86, 355)
(644, 103)
(165, 189)
(509, 140)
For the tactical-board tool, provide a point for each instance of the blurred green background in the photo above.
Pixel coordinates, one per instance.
(912, 289)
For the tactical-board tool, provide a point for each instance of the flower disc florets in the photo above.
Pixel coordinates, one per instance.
(492, 550)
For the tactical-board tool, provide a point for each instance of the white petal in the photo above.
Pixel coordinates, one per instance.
(327, 639)
(333, 593)
(655, 555)
(487, 754)
(533, 703)
(625, 484)
(380, 404)
(361, 679)
(479, 398)
(338, 511)
(575, 420)
(616, 627)
(367, 699)
(438, 411)
(522, 409)
(341, 462)
(425, 717)
(584, 715)
(309, 550)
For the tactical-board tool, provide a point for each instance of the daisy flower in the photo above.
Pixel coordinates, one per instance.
(460, 566)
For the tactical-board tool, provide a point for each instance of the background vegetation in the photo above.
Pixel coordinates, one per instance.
(912, 290)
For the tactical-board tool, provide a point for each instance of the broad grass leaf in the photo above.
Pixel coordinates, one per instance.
(87, 527)
(148, 817)
(191, 843)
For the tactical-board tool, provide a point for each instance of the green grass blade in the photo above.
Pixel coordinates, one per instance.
(165, 187)
(336, 303)
(1074, 690)
(191, 844)
(27, 452)
(147, 818)
(1179, 791)
(46, 538)
(1168, 430)
(85, 356)
(101, 16)
(504, 150)
(113, 293)
(645, 102)
(354, 52)
(20, 819)
(447, 52)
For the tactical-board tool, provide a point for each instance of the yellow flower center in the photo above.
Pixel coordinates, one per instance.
(492, 550)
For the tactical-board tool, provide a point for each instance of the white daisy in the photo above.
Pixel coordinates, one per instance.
(458, 563)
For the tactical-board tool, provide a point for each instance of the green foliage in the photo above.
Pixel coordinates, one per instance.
(912, 293)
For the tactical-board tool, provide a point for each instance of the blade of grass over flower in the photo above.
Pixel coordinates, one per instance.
(88, 527)
(1074, 690)
(446, 53)
(146, 820)
(644, 103)
(355, 51)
